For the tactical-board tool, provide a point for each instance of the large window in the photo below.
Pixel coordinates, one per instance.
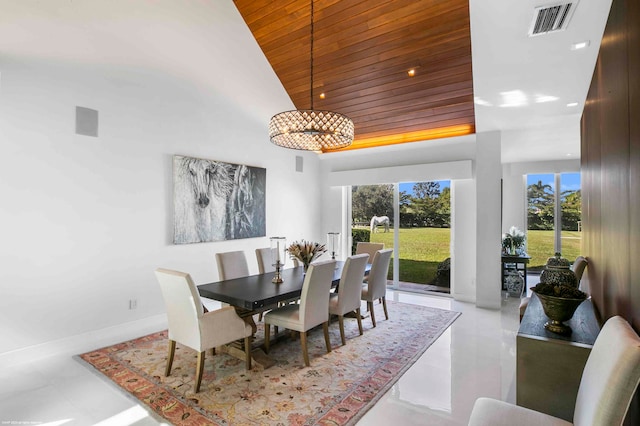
(422, 233)
(553, 217)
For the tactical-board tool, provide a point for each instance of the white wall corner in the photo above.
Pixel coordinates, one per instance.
(463, 240)
(488, 227)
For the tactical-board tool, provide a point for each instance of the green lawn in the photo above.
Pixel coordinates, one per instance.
(422, 249)
(540, 246)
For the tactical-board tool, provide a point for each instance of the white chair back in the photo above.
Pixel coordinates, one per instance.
(369, 248)
(231, 265)
(265, 257)
(184, 308)
(579, 266)
(610, 376)
(377, 281)
(350, 288)
(314, 300)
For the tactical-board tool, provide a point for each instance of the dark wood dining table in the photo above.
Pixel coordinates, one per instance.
(256, 293)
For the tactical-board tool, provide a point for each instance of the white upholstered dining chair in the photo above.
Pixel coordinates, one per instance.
(265, 257)
(190, 326)
(347, 298)
(369, 248)
(313, 309)
(376, 286)
(608, 383)
(232, 264)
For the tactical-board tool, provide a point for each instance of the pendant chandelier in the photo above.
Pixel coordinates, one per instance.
(309, 129)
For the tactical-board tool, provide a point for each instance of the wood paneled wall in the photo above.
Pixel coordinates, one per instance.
(611, 173)
(611, 168)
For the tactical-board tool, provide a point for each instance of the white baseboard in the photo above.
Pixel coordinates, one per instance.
(464, 297)
(85, 342)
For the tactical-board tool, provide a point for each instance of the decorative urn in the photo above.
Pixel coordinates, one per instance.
(558, 271)
(558, 293)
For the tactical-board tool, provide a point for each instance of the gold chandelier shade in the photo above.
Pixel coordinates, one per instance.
(311, 130)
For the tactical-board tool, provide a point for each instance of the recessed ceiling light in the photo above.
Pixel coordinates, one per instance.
(580, 45)
(540, 99)
(572, 104)
(479, 101)
(411, 72)
(322, 95)
(514, 98)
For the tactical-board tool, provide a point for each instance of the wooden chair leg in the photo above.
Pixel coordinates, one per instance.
(267, 332)
(199, 371)
(341, 324)
(327, 341)
(303, 342)
(359, 318)
(373, 315)
(384, 305)
(172, 351)
(247, 352)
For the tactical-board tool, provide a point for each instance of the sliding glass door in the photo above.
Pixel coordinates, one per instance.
(419, 230)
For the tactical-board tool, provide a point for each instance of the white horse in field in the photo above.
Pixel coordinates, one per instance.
(379, 220)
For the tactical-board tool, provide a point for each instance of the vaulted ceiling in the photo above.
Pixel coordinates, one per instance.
(363, 52)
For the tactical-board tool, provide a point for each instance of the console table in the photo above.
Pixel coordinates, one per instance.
(549, 366)
(520, 263)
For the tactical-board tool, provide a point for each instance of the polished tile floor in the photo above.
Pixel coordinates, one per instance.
(474, 357)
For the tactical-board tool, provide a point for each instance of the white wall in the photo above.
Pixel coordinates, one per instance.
(86, 220)
(463, 240)
(514, 200)
(488, 172)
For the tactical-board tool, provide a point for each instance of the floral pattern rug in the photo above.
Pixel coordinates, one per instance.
(337, 389)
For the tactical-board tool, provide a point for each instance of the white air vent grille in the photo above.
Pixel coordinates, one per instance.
(548, 19)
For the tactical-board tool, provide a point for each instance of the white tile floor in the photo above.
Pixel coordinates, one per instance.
(475, 357)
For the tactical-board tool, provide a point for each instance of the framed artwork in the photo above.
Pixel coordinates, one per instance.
(216, 201)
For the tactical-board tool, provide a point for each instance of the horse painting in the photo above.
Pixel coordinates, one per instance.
(216, 201)
(379, 220)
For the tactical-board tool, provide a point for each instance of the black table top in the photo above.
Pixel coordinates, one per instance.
(257, 291)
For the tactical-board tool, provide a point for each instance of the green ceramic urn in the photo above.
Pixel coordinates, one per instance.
(558, 271)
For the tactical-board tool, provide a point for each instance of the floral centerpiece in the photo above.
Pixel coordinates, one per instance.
(306, 251)
(513, 241)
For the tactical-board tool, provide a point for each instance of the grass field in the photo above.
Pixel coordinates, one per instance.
(422, 249)
(540, 247)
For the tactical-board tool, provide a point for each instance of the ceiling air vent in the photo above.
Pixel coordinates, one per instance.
(547, 19)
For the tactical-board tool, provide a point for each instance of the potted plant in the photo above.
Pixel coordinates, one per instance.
(306, 252)
(513, 242)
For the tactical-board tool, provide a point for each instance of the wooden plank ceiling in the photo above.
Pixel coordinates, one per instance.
(363, 50)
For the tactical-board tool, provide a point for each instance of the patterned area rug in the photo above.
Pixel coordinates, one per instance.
(337, 389)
